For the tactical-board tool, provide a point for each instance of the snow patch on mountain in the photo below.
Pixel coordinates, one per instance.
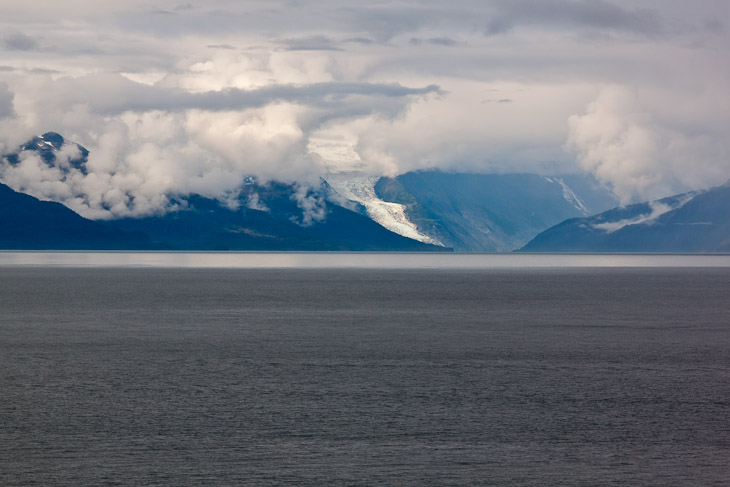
(570, 196)
(657, 209)
(361, 189)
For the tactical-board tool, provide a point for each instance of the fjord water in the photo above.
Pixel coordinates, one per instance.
(364, 376)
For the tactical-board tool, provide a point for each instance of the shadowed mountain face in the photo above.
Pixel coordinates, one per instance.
(491, 212)
(27, 223)
(280, 224)
(467, 212)
(690, 222)
(271, 217)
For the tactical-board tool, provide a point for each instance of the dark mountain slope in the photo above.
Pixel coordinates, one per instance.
(491, 212)
(691, 222)
(207, 225)
(30, 224)
(287, 217)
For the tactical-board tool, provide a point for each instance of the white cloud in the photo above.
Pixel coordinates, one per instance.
(312, 205)
(176, 100)
(640, 149)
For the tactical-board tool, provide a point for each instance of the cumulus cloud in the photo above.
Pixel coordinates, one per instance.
(640, 149)
(254, 203)
(193, 98)
(141, 161)
(311, 203)
(152, 143)
(599, 14)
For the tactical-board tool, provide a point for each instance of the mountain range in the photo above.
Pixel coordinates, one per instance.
(206, 224)
(416, 211)
(695, 222)
(197, 223)
(27, 223)
(491, 212)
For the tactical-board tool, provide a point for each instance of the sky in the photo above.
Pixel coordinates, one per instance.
(173, 98)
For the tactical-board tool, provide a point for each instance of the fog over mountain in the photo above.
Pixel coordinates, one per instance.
(176, 98)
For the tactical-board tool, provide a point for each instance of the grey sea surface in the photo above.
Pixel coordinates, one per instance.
(328, 260)
(143, 374)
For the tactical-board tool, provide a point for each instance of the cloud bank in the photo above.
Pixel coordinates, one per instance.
(644, 151)
(194, 97)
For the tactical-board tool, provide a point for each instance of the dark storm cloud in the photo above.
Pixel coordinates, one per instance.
(199, 20)
(359, 40)
(6, 101)
(113, 94)
(311, 43)
(502, 100)
(442, 41)
(596, 14)
(436, 41)
(715, 26)
(386, 22)
(17, 41)
(43, 71)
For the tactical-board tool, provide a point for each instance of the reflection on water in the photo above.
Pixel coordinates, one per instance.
(351, 259)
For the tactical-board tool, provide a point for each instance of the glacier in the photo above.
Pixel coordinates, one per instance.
(360, 188)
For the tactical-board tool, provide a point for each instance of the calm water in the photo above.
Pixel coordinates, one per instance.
(342, 376)
(339, 260)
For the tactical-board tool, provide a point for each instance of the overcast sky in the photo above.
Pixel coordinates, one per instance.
(172, 98)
